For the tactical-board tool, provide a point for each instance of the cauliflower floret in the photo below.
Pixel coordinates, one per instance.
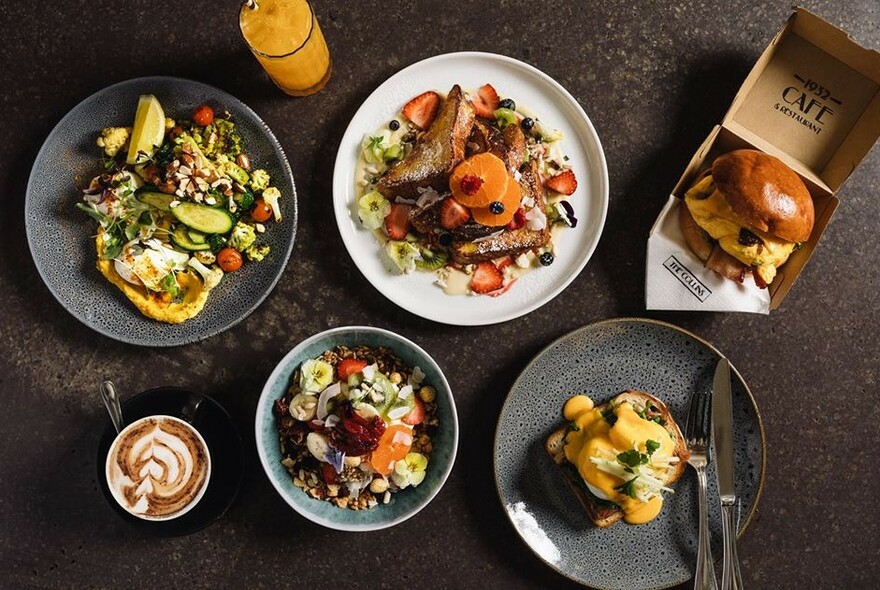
(271, 196)
(259, 179)
(113, 139)
(257, 253)
(242, 237)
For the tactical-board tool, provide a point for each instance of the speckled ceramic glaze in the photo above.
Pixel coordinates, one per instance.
(602, 360)
(403, 504)
(61, 237)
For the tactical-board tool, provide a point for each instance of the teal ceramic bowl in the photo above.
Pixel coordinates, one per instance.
(403, 504)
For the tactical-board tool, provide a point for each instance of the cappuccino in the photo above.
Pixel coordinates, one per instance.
(158, 467)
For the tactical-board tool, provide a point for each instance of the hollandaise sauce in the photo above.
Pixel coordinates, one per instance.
(622, 456)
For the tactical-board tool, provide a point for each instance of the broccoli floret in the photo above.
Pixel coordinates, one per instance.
(242, 237)
(217, 242)
(257, 253)
(211, 275)
(259, 180)
(113, 139)
(271, 196)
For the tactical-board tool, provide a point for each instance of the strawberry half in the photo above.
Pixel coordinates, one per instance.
(486, 102)
(422, 109)
(563, 183)
(519, 220)
(487, 277)
(397, 221)
(417, 415)
(453, 213)
(349, 367)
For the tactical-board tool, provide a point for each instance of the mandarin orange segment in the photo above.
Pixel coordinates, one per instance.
(479, 180)
(510, 200)
(393, 446)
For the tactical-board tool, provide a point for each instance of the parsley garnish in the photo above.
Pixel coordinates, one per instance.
(632, 458)
(651, 446)
(628, 488)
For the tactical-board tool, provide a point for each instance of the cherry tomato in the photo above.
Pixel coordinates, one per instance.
(229, 259)
(203, 115)
(261, 211)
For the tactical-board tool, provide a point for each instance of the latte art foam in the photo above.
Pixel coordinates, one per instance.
(158, 467)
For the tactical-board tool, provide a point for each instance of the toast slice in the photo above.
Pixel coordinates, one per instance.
(435, 153)
(603, 513)
(509, 242)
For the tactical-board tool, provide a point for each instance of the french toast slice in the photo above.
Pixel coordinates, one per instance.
(509, 242)
(435, 153)
(602, 512)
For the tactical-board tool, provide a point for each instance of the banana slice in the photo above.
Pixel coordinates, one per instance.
(303, 407)
(318, 445)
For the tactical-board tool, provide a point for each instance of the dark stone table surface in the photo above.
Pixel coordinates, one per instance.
(654, 78)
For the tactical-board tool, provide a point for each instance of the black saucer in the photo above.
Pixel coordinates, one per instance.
(224, 444)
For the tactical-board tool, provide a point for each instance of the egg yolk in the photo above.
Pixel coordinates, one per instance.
(592, 436)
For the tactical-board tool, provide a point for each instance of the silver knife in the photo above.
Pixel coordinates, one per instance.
(722, 442)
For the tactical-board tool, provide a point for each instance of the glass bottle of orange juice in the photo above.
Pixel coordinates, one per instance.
(286, 39)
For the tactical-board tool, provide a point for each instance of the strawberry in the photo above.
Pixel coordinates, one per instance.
(486, 102)
(397, 221)
(349, 367)
(519, 220)
(422, 109)
(453, 213)
(417, 414)
(487, 277)
(563, 183)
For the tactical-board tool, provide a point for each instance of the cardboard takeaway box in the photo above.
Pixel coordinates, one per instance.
(812, 100)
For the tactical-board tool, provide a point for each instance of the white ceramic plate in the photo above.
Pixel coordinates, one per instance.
(416, 292)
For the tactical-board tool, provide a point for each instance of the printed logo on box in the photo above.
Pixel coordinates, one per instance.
(687, 278)
(807, 104)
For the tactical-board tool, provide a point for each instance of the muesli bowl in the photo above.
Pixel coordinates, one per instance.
(305, 470)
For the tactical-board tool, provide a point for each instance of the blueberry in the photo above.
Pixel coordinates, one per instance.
(394, 125)
(507, 103)
(496, 207)
(445, 239)
(546, 259)
(527, 124)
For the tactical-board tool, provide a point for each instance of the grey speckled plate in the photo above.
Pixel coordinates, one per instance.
(61, 237)
(602, 360)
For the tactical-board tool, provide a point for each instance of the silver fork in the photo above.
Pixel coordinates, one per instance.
(697, 438)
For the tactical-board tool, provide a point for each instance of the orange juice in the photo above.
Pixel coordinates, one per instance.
(286, 39)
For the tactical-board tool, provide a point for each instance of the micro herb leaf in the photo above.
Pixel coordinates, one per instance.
(659, 420)
(632, 458)
(376, 141)
(651, 446)
(628, 488)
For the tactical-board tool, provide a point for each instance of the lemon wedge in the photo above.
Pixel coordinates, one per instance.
(148, 131)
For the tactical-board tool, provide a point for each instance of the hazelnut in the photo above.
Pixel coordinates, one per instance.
(379, 485)
(427, 394)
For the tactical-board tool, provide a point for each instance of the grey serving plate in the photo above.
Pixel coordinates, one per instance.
(602, 360)
(61, 238)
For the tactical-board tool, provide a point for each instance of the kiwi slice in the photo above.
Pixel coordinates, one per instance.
(431, 259)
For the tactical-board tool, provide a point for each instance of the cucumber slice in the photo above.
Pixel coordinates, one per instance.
(181, 237)
(197, 237)
(209, 220)
(161, 201)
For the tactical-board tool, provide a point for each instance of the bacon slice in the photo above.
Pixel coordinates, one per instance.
(726, 265)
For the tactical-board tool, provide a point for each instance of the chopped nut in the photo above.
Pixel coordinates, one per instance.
(332, 490)
(387, 497)
(379, 485)
(260, 228)
(243, 161)
(353, 461)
